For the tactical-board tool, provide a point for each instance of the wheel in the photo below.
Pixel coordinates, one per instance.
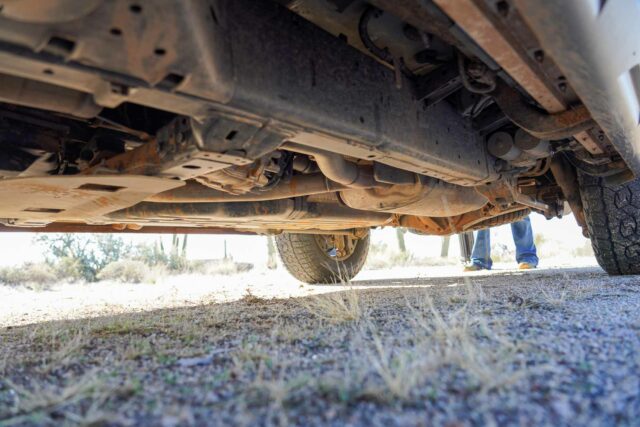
(612, 214)
(322, 258)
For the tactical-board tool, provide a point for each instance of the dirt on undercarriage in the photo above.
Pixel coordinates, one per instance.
(547, 347)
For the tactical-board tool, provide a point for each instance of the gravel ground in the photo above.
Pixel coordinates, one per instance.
(547, 347)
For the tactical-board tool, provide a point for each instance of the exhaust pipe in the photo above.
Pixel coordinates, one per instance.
(336, 167)
(297, 186)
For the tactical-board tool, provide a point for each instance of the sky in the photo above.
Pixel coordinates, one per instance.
(561, 236)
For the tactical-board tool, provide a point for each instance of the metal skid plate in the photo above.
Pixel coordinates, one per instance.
(252, 61)
(37, 201)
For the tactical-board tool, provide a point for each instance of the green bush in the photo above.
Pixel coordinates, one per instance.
(125, 271)
(173, 257)
(151, 254)
(92, 252)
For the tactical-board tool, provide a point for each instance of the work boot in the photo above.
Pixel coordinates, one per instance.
(473, 267)
(526, 266)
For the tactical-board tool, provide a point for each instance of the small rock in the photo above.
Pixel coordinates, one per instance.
(195, 361)
(200, 361)
(562, 407)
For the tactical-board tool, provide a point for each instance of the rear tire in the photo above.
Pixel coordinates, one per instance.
(307, 258)
(612, 213)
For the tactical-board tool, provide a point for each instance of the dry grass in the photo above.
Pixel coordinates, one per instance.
(559, 295)
(269, 361)
(126, 271)
(463, 339)
(35, 276)
(400, 373)
(250, 298)
(378, 367)
(337, 307)
(43, 402)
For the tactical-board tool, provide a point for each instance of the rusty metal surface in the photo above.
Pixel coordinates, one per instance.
(488, 216)
(143, 160)
(327, 95)
(256, 212)
(473, 17)
(176, 152)
(428, 197)
(331, 88)
(299, 185)
(541, 125)
(508, 40)
(40, 200)
(386, 27)
(422, 16)
(567, 179)
(499, 220)
(144, 57)
(596, 46)
(285, 214)
(50, 11)
(62, 227)
(337, 168)
(17, 90)
(239, 212)
(590, 143)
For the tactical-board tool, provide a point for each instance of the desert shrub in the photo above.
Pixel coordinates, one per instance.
(110, 248)
(35, 275)
(173, 257)
(390, 259)
(156, 274)
(68, 269)
(126, 271)
(540, 240)
(225, 267)
(583, 251)
(381, 256)
(502, 253)
(151, 254)
(92, 252)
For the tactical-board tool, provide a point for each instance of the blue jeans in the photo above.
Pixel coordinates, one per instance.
(522, 237)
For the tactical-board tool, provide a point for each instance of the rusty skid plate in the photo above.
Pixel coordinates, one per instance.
(37, 201)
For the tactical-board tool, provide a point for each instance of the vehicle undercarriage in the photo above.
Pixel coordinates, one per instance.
(319, 117)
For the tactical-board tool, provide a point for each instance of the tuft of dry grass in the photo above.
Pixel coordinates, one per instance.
(465, 338)
(561, 293)
(43, 402)
(66, 349)
(289, 332)
(337, 307)
(401, 372)
(555, 297)
(251, 299)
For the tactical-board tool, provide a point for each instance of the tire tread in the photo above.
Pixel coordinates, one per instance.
(613, 220)
(304, 260)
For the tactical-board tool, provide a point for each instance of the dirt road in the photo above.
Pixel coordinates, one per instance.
(549, 347)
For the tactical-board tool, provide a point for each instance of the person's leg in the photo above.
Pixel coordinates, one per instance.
(481, 254)
(523, 238)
